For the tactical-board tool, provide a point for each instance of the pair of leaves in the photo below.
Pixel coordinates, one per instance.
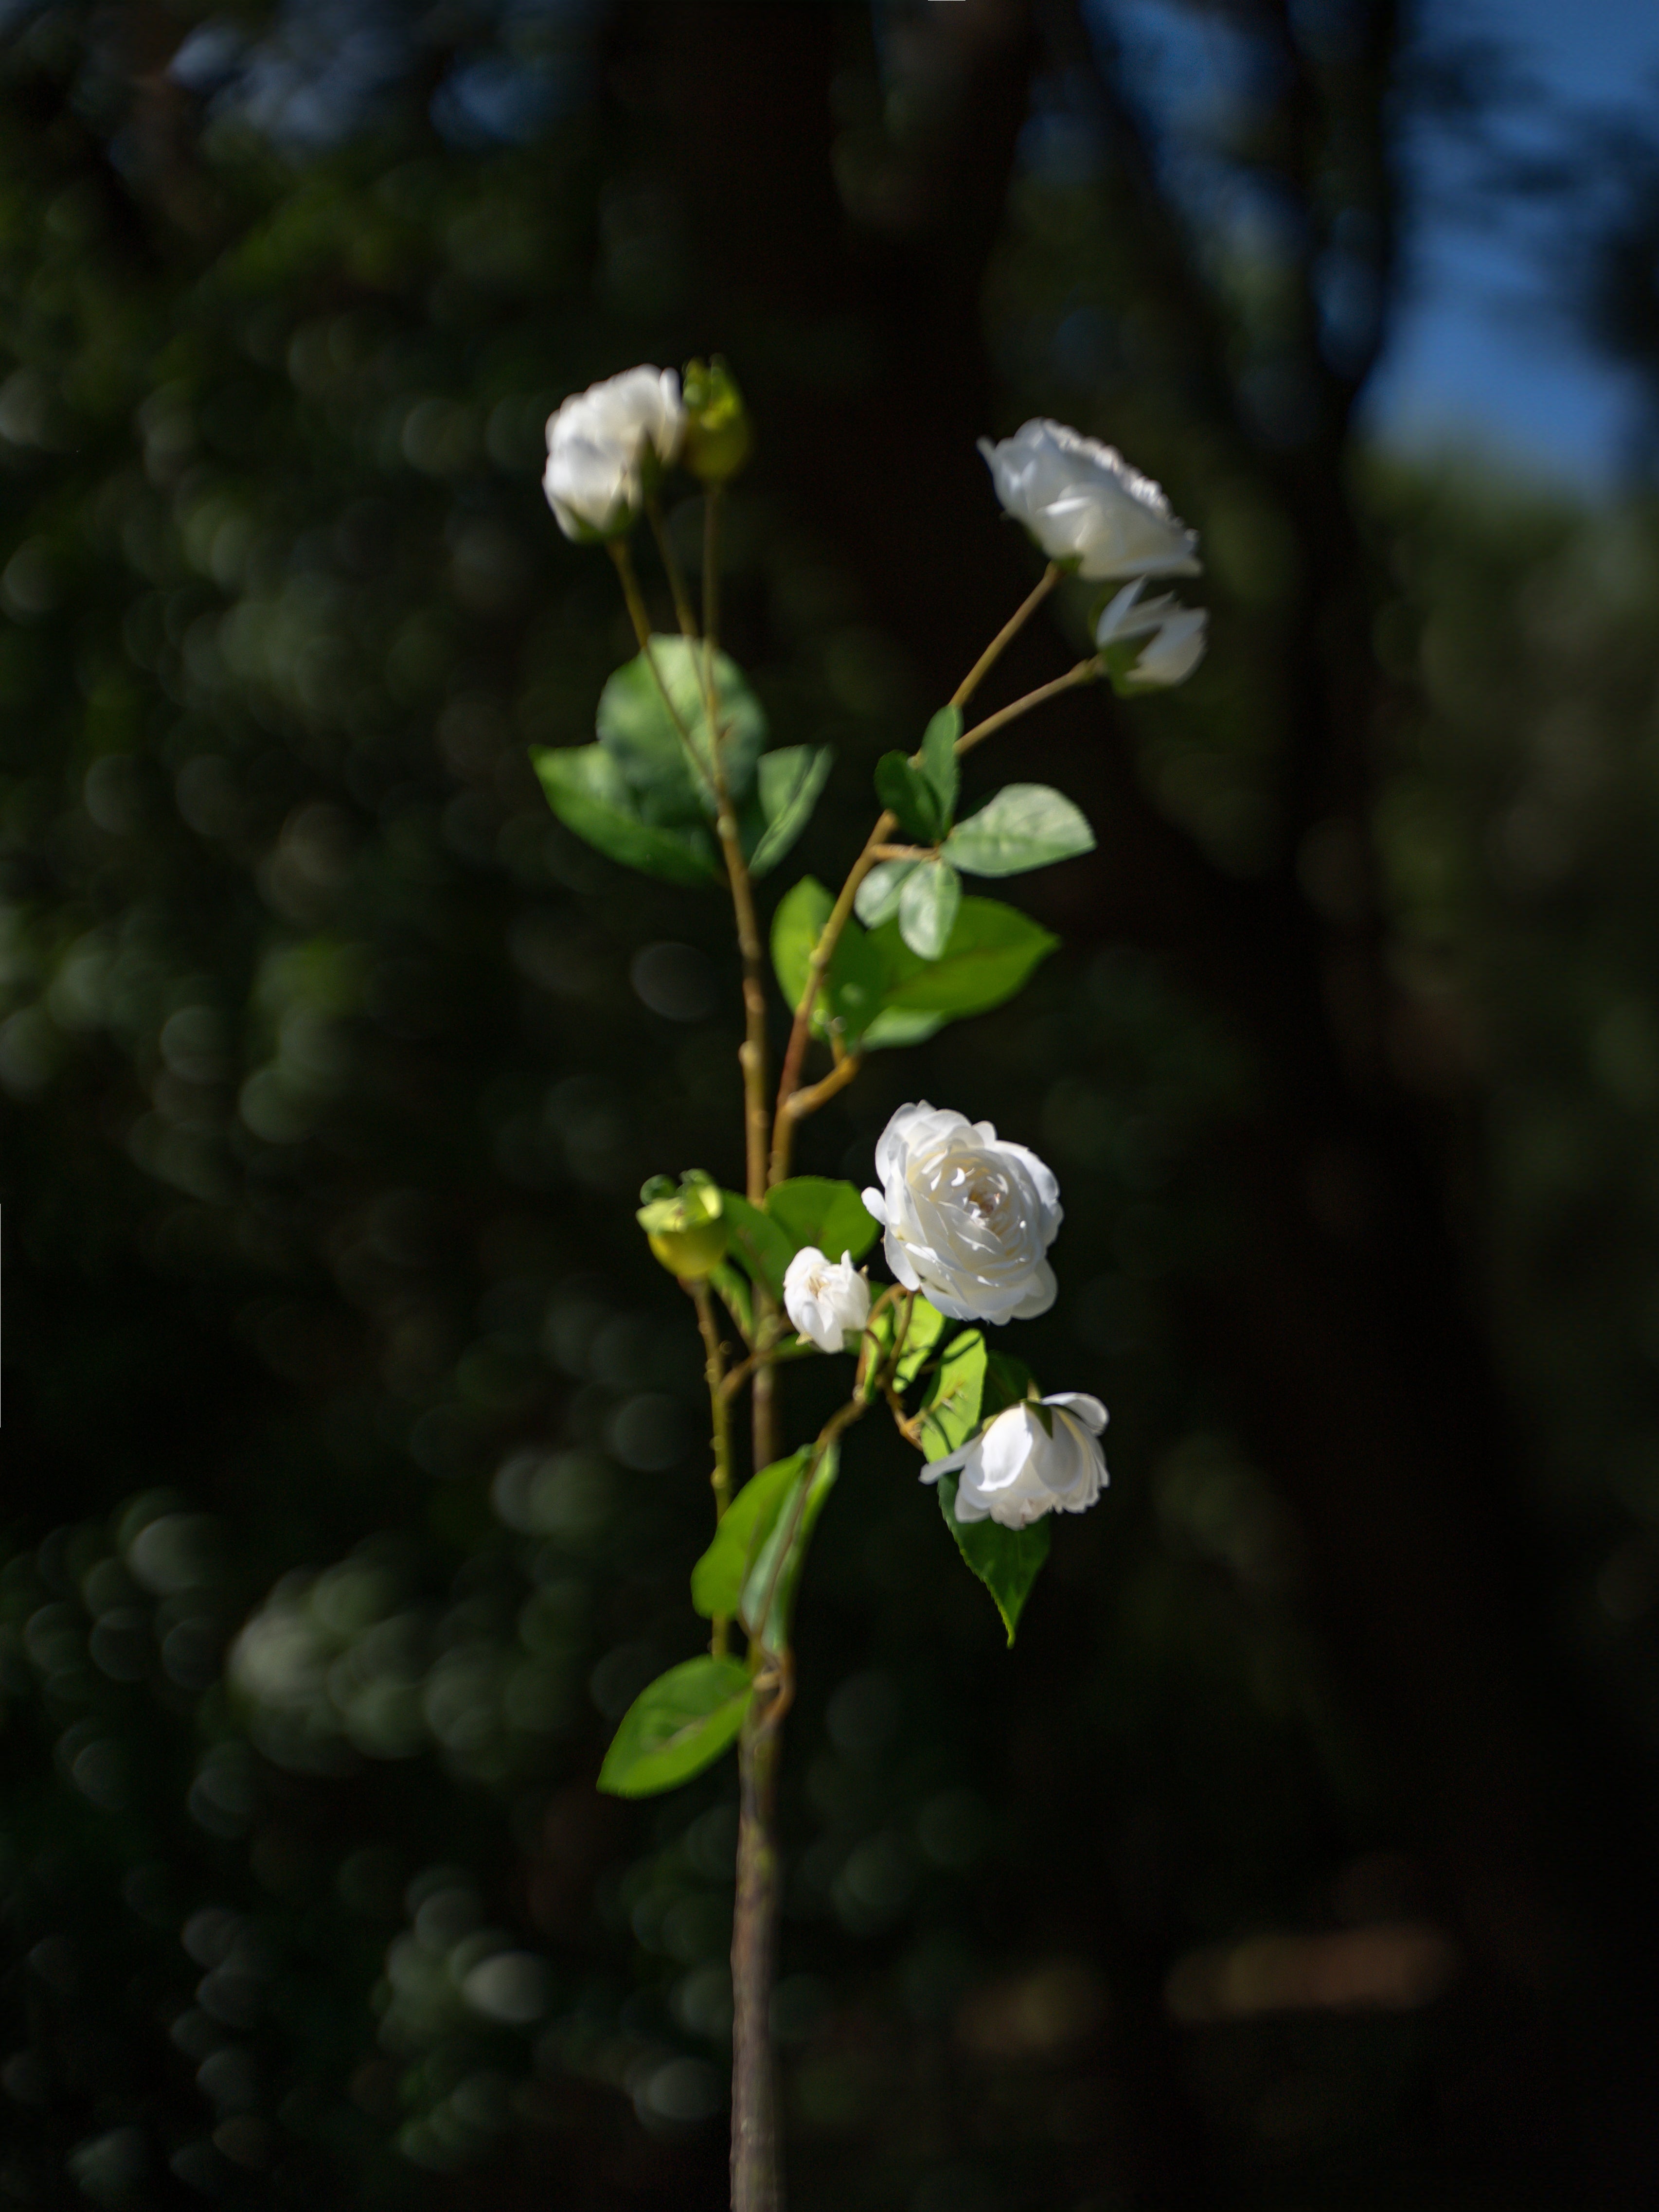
(970, 1385)
(1026, 825)
(751, 1571)
(677, 1726)
(878, 992)
(641, 798)
(922, 792)
(805, 1210)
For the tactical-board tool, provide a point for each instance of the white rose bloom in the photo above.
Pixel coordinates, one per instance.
(1019, 1466)
(599, 444)
(1083, 504)
(969, 1218)
(826, 1299)
(1175, 635)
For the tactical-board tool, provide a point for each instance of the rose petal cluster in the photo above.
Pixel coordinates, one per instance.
(968, 1218)
(827, 1300)
(1039, 1456)
(1174, 634)
(602, 446)
(1086, 507)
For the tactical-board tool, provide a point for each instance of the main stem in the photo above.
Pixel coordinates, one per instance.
(755, 2183)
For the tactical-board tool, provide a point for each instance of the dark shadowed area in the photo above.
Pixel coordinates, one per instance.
(1300, 1853)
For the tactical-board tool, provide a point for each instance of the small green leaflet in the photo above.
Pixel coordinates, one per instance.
(590, 794)
(1026, 825)
(906, 791)
(717, 1579)
(928, 1325)
(951, 1411)
(816, 1210)
(877, 898)
(938, 763)
(992, 950)
(636, 729)
(927, 908)
(768, 1590)
(677, 1726)
(1007, 1560)
(788, 784)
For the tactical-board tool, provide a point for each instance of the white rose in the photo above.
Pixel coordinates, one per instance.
(1083, 504)
(1175, 635)
(1020, 1465)
(968, 1218)
(598, 446)
(826, 1299)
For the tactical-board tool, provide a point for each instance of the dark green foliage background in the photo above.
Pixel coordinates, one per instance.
(327, 1091)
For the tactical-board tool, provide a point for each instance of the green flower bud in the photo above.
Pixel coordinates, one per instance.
(686, 1228)
(717, 434)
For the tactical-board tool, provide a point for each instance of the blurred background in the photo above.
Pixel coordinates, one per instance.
(1301, 1852)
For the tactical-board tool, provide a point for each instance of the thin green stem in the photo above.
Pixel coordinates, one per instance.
(720, 1409)
(1016, 622)
(674, 571)
(1086, 672)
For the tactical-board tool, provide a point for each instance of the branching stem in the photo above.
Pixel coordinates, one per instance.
(1086, 672)
(1016, 622)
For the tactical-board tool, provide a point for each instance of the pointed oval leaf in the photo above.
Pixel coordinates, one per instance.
(1026, 825)
(992, 950)
(788, 783)
(928, 1325)
(816, 1210)
(717, 1579)
(852, 993)
(952, 1409)
(927, 908)
(761, 1246)
(677, 1726)
(774, 1578)
(895, 1026)
(637, 730)
(1007, 1560)
(878, 896)
(905, 791)
(590, 794)
(939, 762)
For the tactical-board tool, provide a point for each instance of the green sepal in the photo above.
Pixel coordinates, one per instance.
(927, 908)
(718, 1579)
(677, 1726)
(788, 784)
(904, 791)
(1026, 825)
(1007, 1560)
(951, 1411)
(590, 794)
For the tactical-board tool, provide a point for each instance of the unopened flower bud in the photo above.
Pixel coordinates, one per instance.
(686, 1228)
(717, 434)
(1149, 644)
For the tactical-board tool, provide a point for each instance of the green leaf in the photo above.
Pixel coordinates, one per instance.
(788, 782)
(927, 908)
(814, 1210)
(1026, 825)
(878, 896)
(951, 1411)
(768, 1590)
(992, 950)
(677, 1726)
(1008, 1380)
(851, 997)
(589, 794)
(638, 732)
(758, 1244)
(939, 765)
(717, 1579)
(1007, 1560)
(895, 1026)
(905, 791)
(928, 1325)
(735, 1291)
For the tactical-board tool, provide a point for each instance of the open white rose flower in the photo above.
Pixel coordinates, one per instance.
(826, 1299)
(968, 1218)
(1086, 507)
(1175, 635)
(1037, 1457)
(600, 443)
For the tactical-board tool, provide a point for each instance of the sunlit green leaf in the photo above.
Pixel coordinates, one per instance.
(928, 1325)
(992, 950)
(761, 1246)
(852, 993)
(589, 794)
(677, 1726)
(1026, 825)
(878, 896)
(815, 1210)
(927, 908)
(1007, 1560)
(769, 1593)
(939, 761)
(952, 1409)
(717, 1579)
(637, 730)
(788, 784)
(899, 1025)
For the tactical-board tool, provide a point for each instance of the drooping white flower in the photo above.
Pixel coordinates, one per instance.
(968, 1218)
(1086, 507)
(1029, 1460)
(826, 1299)
(600, 444)
(1175, 636)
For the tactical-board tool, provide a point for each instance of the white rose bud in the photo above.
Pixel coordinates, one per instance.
(1174, 634)
(601, 444)
(1086, 507)
(969, 1218)
(826, 1299)
(1030, 1461)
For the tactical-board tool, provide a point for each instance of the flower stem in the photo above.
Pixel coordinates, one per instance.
(993, 653)
(755, 2184)
(1086, 672)
(676, 574)
(720, 1408)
